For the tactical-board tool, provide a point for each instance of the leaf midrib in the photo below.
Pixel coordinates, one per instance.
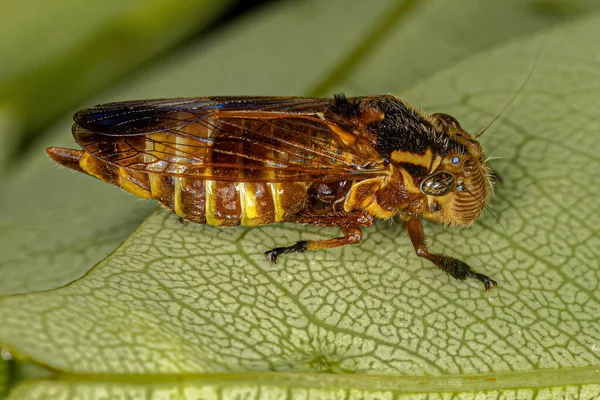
(407, 384)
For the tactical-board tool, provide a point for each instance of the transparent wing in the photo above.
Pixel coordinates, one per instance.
(272, 139)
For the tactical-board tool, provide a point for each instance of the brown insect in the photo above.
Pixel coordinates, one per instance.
(253, 161)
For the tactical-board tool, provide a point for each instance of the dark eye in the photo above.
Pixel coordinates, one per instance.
(435, 207)
(447, 119)
(438, 184)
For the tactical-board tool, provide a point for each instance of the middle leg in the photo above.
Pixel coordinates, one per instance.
(349, 223)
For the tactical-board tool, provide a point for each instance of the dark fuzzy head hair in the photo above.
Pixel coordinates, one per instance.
(345, 108)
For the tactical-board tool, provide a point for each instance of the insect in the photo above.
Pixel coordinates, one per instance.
(338, 162)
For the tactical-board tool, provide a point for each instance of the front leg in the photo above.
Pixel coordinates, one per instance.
(453, 267)
(349, 223)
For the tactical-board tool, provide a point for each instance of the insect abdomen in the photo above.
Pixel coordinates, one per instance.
(220, 203)
(210, 202)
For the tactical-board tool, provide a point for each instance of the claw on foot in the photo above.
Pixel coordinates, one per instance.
(271, 255)
(488, 282)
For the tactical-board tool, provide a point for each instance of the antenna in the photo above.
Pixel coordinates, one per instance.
(537, 56)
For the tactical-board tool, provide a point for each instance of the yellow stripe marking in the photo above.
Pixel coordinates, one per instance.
(378, 212)
(362, 194)
(177, 182)
(436, 163)
(250, 211)
(423, 160)
(155, 184)
(86, 162)
(125, 182)
(279, 211)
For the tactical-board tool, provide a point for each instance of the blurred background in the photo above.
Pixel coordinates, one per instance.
(62, 52)
(59, 56)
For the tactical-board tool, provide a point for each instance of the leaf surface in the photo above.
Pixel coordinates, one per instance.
(201, 304)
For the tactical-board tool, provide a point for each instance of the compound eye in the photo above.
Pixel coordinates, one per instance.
(438, 184)
(447, 119)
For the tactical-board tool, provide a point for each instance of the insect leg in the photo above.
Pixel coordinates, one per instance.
(495, 177)
(453, 267)
(350, 225)
(352, 235)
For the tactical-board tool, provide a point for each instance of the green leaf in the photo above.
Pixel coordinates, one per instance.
(3, 378)
(195, 311)
(278, 385)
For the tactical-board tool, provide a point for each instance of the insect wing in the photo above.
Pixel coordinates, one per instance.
(268, 139)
